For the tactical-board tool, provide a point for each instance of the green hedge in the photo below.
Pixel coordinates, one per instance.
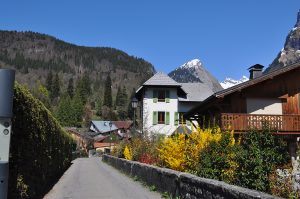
(40, 149)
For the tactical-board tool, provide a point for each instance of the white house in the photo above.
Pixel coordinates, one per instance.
(164, 101)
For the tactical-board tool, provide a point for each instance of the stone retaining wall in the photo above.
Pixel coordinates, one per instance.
(185, 185)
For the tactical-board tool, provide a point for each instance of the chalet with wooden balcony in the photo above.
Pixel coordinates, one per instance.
(270, 99)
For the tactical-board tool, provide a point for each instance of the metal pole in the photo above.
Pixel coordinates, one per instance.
(7, 78)
(133, 119)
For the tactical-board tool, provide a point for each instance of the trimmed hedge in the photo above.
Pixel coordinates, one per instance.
(40, 149)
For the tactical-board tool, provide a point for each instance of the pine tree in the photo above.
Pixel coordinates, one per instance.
(64, 112)
(83, 87)
(49, 81)
(118, 97)
(107, 93)
(55, 91)
(70, 88)
(77, 108)
(98, 106)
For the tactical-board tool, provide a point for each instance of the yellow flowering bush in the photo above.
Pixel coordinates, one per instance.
(197, 141)
(183, 152)
(172, 152)
(128, 153)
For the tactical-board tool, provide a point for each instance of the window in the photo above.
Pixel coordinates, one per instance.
(161, 117)
(161, 95)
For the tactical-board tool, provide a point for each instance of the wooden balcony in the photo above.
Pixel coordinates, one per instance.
(281, 124)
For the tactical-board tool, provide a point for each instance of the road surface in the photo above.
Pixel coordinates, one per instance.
(90, 178)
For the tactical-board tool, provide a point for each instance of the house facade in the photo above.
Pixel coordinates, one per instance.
(267, 100)
(164, 101)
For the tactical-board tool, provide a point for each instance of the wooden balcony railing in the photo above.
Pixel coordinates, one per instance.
(243, 122)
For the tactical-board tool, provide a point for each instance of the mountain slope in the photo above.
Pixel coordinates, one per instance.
(291, 52)
(33, 55)
(194, 71)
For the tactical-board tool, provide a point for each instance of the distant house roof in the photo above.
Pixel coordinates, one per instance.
(161, 79)
(99, 138)
(75, 131)
(103, 144)
(122, 124)
(102, 126)
(196, 92)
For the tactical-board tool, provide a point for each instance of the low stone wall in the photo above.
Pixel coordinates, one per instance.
(182, 184)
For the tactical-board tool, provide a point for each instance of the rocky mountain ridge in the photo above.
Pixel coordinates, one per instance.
(291, 51)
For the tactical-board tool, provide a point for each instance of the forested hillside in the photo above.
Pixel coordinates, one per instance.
(60, 73)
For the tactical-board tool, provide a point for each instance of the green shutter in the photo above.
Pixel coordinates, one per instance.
(155, 96)
(155, 117)
(167, 96)
(167, 118)
(176, 118)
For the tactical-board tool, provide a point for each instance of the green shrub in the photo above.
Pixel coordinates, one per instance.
(40, 149)
(217, 159)
(260, 152)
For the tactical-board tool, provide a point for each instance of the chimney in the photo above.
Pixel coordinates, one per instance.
(255, 71)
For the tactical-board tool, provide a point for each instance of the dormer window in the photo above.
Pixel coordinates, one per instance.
(161, 96)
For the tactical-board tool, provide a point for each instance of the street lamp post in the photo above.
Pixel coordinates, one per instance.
(7, 79)
(110, 125)
(134, 104)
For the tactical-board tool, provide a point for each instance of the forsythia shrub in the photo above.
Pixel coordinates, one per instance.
(197, 141)
(118, 151)
(172, 152)
(128, 153)
(182, 152)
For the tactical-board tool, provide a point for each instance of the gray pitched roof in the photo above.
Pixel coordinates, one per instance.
(196, 92)
(102, 126)
(161, 79)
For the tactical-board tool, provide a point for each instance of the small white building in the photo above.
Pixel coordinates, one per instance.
(164, 101)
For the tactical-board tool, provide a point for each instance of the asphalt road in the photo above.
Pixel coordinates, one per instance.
(90, 178)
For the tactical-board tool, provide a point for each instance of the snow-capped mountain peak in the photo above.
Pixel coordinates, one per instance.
(229, 82)
(191, 64)
(194, 72)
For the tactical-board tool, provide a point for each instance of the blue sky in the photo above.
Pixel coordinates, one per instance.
(227, 36)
